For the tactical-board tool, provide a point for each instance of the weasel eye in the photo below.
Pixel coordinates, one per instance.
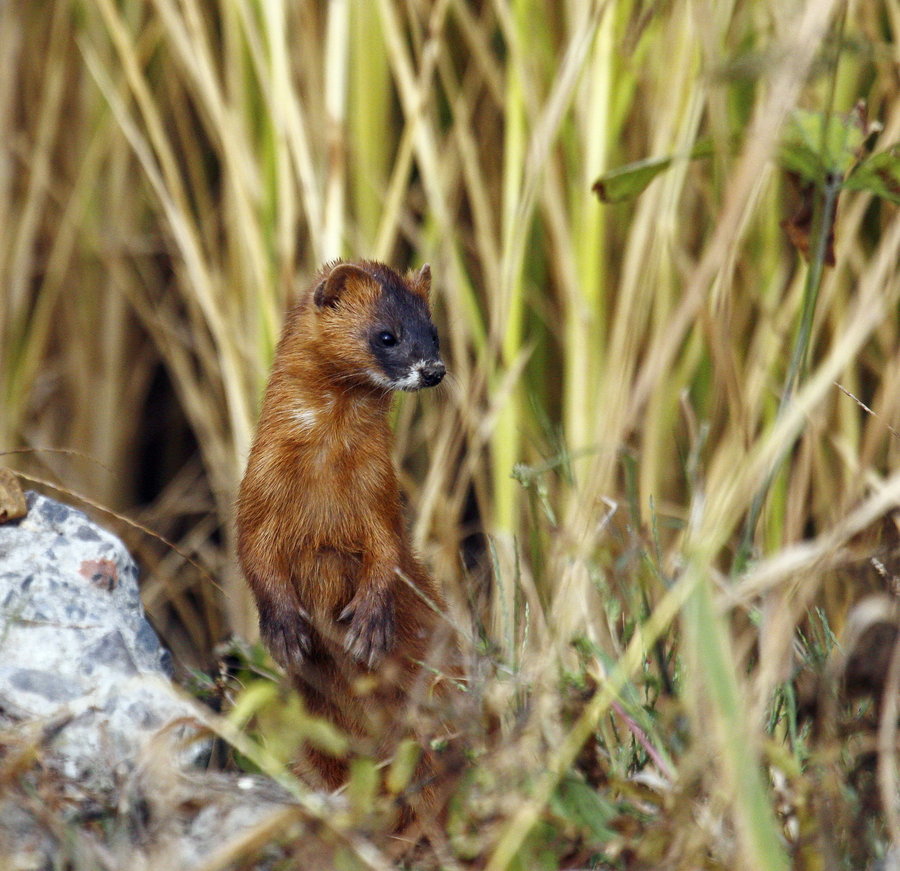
(387, 338)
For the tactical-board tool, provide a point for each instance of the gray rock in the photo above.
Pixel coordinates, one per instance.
(101, 731)
(74, 643)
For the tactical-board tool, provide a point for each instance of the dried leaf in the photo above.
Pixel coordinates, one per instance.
(799, 225)
(12, 499)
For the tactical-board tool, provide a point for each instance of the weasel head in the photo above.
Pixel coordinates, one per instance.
(375, 326)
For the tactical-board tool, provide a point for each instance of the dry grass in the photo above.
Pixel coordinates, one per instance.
(171, 168)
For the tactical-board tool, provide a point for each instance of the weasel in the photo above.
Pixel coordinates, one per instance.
(342, 598)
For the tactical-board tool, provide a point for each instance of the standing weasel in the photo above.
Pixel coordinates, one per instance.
(321, 536)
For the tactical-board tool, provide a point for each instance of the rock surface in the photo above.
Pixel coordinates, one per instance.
(76, 646)
(92, 726)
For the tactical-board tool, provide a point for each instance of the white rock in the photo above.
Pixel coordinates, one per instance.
(85, 682)
(75, 645)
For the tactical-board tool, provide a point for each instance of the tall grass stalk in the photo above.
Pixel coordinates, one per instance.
(507, 312)
(585, 284)
(369, 113)
(337, 41)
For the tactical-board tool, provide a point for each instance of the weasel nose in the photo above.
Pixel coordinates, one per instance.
(432, 373)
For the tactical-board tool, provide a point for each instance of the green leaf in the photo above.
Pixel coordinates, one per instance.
(582, 805)
(805, 152)
(363, 785)
(403, 767)
(255, 696)
(542, 851)
(325, 736)
(632, 179)
(879, 175)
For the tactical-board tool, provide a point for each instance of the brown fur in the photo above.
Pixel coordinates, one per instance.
(321, 535)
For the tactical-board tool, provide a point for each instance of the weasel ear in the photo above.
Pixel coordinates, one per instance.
(422, 281)
(333, 287)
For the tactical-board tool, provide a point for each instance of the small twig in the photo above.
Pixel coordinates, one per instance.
(644, 741)
(865, 407)
(68, 452)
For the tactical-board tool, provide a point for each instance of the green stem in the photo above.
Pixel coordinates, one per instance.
(823, 219)
(823, 222)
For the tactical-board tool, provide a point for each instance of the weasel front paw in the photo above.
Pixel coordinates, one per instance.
(288, 635)
(372, 627)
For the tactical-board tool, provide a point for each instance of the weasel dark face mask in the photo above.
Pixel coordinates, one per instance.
(404, 341)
